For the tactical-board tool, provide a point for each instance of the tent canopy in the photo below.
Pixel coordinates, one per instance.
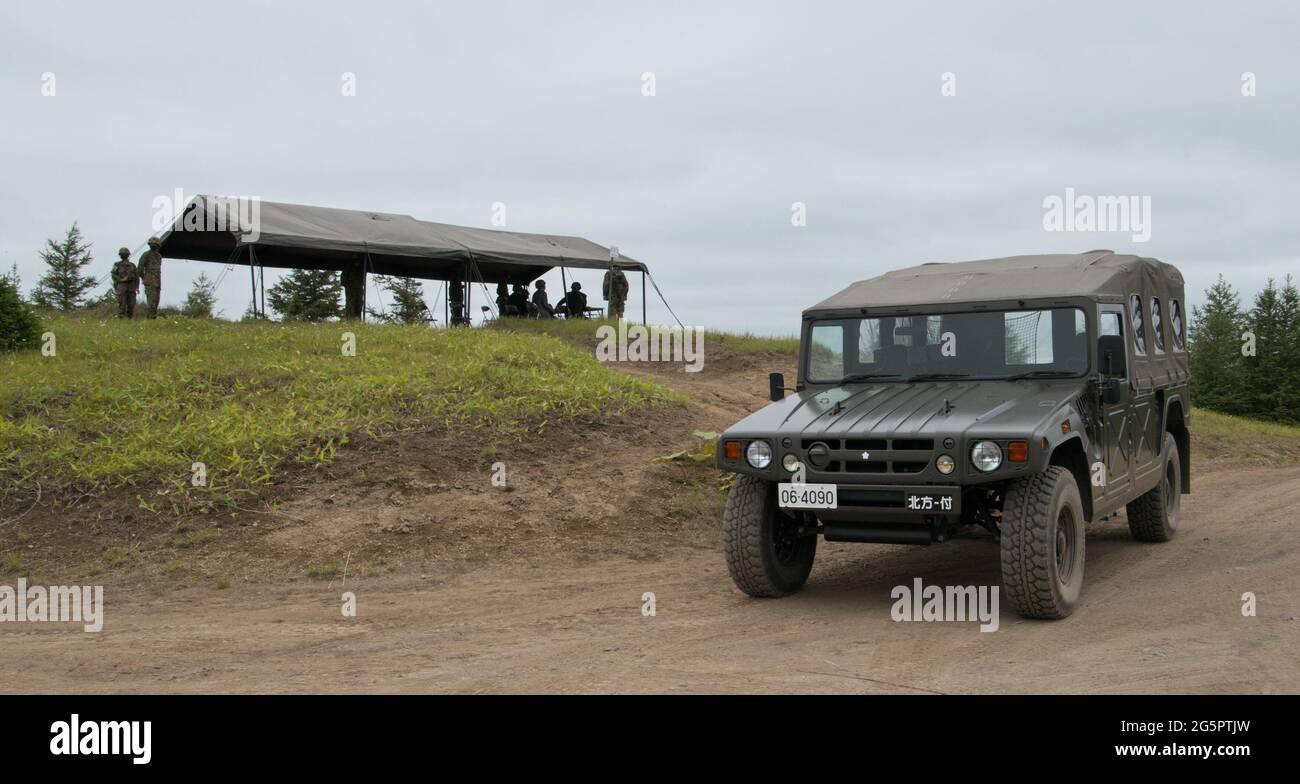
(295, 236)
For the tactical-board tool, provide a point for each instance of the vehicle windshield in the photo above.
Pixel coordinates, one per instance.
(987, 344)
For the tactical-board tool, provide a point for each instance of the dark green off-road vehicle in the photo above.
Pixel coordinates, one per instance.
(1028, 395)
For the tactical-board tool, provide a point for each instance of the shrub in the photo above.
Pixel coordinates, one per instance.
(19, 327)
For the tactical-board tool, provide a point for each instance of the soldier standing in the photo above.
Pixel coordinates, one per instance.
(150, 272)
(614, 288)
(456, 293)
(126, 284)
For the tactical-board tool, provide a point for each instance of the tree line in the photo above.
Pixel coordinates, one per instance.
(1246, 361)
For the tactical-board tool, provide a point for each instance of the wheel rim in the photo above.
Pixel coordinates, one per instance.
(1065, 545)
(785, 538)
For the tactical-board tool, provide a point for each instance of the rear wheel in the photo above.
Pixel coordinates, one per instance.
(766, 554)
(1153, 516)
(1042, 543)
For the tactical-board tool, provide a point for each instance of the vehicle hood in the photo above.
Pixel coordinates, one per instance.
(942, 408)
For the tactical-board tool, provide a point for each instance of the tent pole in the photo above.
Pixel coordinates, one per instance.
(644, 320)
(365, 285)
(252, 277)
(564, 289)
(262, 279)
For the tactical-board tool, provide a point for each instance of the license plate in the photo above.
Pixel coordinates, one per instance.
(930, 502)
(793, 496)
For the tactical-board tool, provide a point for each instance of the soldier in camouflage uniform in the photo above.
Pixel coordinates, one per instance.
(126, 284)
(614, 288)
(151, 275)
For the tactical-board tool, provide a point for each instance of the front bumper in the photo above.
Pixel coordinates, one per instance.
(889, 503)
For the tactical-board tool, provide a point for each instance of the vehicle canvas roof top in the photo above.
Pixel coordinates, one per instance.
(1095, 274)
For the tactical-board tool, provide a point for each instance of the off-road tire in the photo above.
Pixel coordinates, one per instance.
(1034, 528)
(1153, 516)
(750, 526)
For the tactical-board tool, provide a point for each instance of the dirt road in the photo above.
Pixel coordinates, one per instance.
(1154, 618)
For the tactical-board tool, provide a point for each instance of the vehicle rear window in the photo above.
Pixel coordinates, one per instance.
(1176, 323)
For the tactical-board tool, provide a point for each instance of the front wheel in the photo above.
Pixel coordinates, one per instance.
(766, 553)
(1042, 541)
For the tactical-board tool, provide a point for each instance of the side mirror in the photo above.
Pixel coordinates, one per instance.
(1110, 391)
(775, 386)
(1110, 355)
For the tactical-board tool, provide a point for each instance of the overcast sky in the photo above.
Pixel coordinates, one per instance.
(542, 107)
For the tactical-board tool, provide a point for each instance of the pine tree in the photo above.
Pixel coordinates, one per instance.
(19, 326)
(1269, 377)
(63, 287)
(202, 299)
(407, 306)
(307, 295)
(1289, 403)
(1214, 342)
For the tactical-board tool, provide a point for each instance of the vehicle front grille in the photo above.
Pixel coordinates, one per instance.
(908, 456)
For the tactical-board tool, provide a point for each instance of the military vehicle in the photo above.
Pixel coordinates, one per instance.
(1029, 396)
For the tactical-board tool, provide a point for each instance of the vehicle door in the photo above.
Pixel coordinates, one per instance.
(1117, 438)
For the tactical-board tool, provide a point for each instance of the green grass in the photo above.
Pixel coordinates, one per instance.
(138, 402)
(1254, 441)
(1212, 423)
(582, 332)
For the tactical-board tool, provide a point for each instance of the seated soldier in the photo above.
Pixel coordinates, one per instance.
(519, 301)
(541, 302)
(574, 304)
(503, 300)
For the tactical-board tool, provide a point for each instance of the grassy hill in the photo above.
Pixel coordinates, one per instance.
(138, 403)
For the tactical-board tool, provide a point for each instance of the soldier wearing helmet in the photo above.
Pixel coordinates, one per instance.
(126, 284)
(151, 275)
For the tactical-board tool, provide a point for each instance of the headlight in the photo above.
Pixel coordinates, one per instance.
(759, 454)
(945, 464)
(790, 462)
(986, 456)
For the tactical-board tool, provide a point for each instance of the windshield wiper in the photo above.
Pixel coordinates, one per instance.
(936, 376)
(1042, 374)
(867, 377)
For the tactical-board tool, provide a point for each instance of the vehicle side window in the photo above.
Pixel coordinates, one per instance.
(826, 362)
(868, 341)
(1110, 324)
(1176, 323)
(1135, 317)
(1157, 326)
